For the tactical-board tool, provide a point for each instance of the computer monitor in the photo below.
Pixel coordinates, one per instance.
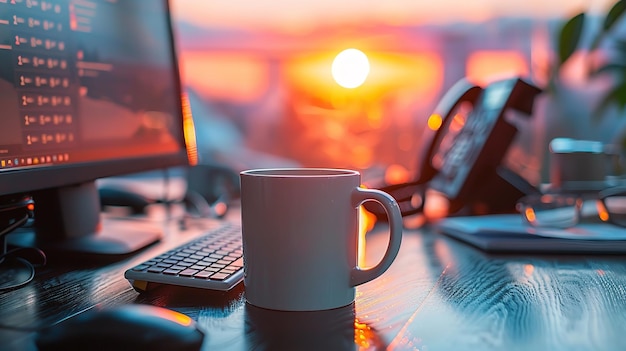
(88, 89)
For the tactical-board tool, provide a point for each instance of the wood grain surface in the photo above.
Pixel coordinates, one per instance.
(439, 294)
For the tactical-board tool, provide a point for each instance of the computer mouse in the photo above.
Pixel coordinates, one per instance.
(126, 327)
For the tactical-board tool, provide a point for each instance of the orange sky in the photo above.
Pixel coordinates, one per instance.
(303, 14)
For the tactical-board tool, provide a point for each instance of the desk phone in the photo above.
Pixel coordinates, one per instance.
(462, 150)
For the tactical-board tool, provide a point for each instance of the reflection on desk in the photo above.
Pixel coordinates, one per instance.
(439, 294)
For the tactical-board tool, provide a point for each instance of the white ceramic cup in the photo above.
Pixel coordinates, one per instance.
(300, 237)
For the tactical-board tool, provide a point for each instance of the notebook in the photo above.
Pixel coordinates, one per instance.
(508, 233)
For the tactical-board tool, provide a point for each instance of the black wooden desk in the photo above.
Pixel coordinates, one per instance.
(439, 294)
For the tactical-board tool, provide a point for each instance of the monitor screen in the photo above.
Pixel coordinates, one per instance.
(88, 89)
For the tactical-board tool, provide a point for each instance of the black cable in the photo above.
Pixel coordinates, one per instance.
(14, 254)
(31, 276)
(11, 227)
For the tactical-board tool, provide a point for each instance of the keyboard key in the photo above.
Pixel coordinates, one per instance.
(171, 271)
(156, 269)
(141, 267)
(188, 272)
(219, 276)
(203, 274)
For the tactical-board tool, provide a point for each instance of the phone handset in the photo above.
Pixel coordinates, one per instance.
(461, 93)
(469, 164)
(411, 195)
(462, 147)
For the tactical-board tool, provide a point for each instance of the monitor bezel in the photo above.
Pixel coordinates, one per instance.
(27, 180)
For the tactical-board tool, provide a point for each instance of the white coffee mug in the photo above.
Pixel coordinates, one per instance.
(300, 237)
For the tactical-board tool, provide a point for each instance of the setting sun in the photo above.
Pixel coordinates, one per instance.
(350, 68)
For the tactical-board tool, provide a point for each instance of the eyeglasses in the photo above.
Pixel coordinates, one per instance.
(559, 210)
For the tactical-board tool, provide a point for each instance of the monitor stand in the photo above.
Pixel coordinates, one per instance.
(68, 219)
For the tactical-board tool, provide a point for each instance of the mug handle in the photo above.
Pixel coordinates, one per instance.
(361, 195)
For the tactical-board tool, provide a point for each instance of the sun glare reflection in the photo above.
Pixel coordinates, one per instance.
(435, 121)
(189, 131)
(530, 215)
(603, 213)
(176, 317)
(366, 223)
(396, 174)
(414, 74)
(350, 68)
(363, 335)
(356, 127)
(529, 269)
(457, 122)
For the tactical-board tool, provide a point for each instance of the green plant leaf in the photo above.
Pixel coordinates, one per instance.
(613, 15)
(569, 37)
(620, 95)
